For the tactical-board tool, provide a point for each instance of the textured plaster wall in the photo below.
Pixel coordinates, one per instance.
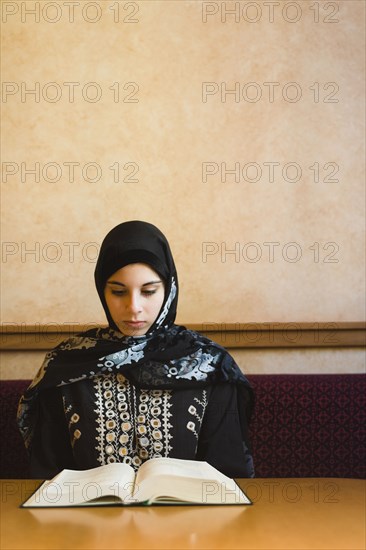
(131, 117)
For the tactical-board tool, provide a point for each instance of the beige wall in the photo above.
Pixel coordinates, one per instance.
(167, 123)
(24, 365)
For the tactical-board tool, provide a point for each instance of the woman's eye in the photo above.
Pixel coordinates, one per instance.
(124, 292)
(118, 292)
(148, 292)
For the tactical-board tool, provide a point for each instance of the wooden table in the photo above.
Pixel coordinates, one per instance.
(287, 514)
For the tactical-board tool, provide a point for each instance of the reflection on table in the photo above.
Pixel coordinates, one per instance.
(286, 514)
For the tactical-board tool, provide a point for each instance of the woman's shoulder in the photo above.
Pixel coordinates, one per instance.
(88, 339)
(200, 339)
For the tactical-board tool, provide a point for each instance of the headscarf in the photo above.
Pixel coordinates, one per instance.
(138, 242)
(168, 356)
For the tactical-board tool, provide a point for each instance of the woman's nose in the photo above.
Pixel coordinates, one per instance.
(134, 303)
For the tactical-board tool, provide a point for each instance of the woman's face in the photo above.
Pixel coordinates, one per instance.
(134, 295)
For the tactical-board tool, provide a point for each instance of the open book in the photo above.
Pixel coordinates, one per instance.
(158, 481)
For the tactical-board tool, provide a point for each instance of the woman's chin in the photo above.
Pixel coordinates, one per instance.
(128, 329)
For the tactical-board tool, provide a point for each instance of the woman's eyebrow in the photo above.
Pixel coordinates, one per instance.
(145, 284)
(152, 283)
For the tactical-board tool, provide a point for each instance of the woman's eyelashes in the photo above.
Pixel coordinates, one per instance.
(124, 292)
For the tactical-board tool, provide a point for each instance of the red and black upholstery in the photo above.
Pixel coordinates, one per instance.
(303, 426)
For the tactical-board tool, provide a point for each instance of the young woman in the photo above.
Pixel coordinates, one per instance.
(143, 387)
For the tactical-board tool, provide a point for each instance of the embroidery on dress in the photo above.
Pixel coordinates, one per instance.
(133, 425)
(192, 409)
(112, 419)
(73, 418)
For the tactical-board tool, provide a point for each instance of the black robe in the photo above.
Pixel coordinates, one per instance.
(107, 419)
(102, 396)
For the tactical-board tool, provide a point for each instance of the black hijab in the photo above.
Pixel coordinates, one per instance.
(138, 242)
(169, 356)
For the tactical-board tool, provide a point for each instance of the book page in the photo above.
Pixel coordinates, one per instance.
(180, 468)
(77, 487)
(194, 481)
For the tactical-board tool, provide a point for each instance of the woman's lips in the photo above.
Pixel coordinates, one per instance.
(135, 324)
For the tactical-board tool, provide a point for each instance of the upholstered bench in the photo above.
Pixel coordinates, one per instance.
(303, 426)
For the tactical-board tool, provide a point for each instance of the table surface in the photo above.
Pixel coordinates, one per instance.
(309, 513)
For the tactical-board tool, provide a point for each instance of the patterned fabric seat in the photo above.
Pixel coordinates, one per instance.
(303, 426)
(309, 425)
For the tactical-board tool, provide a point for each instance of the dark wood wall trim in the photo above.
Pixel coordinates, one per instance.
(24, 337)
